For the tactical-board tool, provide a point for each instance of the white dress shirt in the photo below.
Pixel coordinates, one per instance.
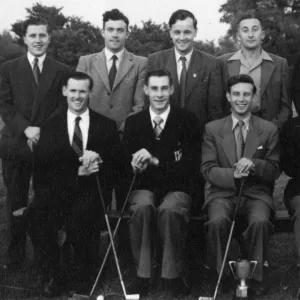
(84, 125)
(164, 117)
(245, 128)
(40, 58)
(179, 62)
(109, 55)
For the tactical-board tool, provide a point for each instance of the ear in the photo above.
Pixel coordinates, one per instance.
(64, 91)
(146, 90)
(102, 32)
(172, 90)
(228, 97)
(263, 35)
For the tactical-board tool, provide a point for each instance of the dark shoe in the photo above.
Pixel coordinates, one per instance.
(257, 288)
(52, 288)
(177, 287)
(139, 286)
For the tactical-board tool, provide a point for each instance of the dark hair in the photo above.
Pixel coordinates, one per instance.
(114, 15)
(158, 73)
(79, 76)
(242, 78)
(35, 21)
(248, 14)
(181, 15)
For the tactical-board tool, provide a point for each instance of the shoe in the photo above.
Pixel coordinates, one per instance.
(177, 287)
(52, 288)
(139, 286)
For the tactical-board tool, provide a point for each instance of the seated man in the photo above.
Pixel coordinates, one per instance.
(240, 146)
(67, 207)
(163, 144)
(290, 161)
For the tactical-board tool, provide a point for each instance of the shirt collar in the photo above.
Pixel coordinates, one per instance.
(187, 56)
(239, 56)
(235, 121)
(84, 116)
(109, 54)
(164, 115)
(32, 57)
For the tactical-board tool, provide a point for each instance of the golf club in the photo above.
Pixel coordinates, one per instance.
(228, 244)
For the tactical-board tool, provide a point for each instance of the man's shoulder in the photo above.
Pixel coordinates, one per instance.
(57, 64)
(101, 119)
(13, 62)
(265, 125)
(226, 56)
(91, 56)
(215, 125)
(161, 54)
(137, 58)
(205, 56)
(276, 58)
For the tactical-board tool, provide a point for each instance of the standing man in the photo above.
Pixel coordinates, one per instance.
(118, 75)
(162, 144)
(296, 84)
(196, 76)
(270, 73)
(240, 146)
(30, 93)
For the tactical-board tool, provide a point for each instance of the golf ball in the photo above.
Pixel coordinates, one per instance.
(100, 297)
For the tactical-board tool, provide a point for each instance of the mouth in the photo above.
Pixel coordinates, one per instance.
(241, 106)
(77, 102)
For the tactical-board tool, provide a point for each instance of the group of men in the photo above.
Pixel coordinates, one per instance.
(64, 129)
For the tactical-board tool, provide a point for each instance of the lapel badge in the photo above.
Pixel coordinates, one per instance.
(178, 155)
(194, 75)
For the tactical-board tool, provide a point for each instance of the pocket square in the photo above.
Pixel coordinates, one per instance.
(260, 147)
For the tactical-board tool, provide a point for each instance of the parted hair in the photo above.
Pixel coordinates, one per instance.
(79, 76)
(158, 73)
(114, 15)
(249, 14)
(35, 21)
(241, 78)
(182, 14)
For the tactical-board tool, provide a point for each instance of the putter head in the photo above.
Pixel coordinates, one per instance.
(132, 297)
(80, 297)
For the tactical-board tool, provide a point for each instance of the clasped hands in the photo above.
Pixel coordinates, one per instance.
(33, 134)
(243, 167)
(141, 159)
(90, 161)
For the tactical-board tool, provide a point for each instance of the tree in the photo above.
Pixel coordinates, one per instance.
(9, 48)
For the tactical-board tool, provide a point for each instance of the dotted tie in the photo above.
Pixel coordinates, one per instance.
(77, 143)
(240, 143)
(183, 81)
(157, 128)
(36, 71)
(112, 72)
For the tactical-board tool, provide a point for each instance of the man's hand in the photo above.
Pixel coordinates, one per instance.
(140, 167)
(88, 170)
(89, 157)
(238, 175)
(32, 133)
(244, 165)
(144, 156)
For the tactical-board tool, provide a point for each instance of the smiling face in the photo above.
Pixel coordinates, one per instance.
(241, 97)
(115, 34)
(77, 93)
(37, 39)
(183, 34)
(250, 34)
(159, 91)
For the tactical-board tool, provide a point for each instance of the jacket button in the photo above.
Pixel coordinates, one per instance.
(108, 94)
(111, 106)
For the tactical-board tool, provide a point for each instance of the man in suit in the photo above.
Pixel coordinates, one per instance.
(118, 75)
(67, 157)
(270, 73)
(163, 145)
(240, 146)
(30, 93)
(295, 90)
(196, 76)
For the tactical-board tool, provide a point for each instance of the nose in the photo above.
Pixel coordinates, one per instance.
(77, 95)
(181, 36)
(159, 93)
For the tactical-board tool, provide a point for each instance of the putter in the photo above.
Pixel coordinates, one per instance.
(111, 245)
(228, 244)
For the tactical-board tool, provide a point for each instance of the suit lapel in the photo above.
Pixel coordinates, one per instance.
(267, 69)
(101, 68)
(228, 140)
(234, 67)
(93, 134)
(171, 66)
(124, 67)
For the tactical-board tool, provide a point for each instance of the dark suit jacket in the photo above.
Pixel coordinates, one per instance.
(296, 84)
(205, 95)
(127, 95)
(219, 157)
(181, 133)
(275, 87)
(56, 168)
(22, 104)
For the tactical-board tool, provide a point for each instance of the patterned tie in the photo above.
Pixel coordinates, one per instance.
(240, 143)
(157, 129)
(183, 81)
(112, 71)
(36, 71)
(77, 143)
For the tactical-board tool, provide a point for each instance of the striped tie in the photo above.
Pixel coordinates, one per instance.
(77, 143)
(157, 129)
(240, 143)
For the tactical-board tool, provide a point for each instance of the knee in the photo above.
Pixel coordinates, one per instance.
(219, 220)
(259, 221)
(143, 209)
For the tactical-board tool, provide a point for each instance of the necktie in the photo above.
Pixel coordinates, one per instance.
(36, 71)
(183, 81)
(157, 129)
(77, 143)
(112, 71)
(240, 143)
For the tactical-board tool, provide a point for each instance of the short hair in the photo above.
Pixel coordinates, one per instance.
(182, 14)
(79, 76)
(158, 73)
(35, 21)
(114, 15)
(241, 78)
(249, 14)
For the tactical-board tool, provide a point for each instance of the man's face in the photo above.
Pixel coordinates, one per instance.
(77, 93)
(115, 34)
(250, 34)
(182, 34)
(241, 97)
(159, 91)
(37, 39)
